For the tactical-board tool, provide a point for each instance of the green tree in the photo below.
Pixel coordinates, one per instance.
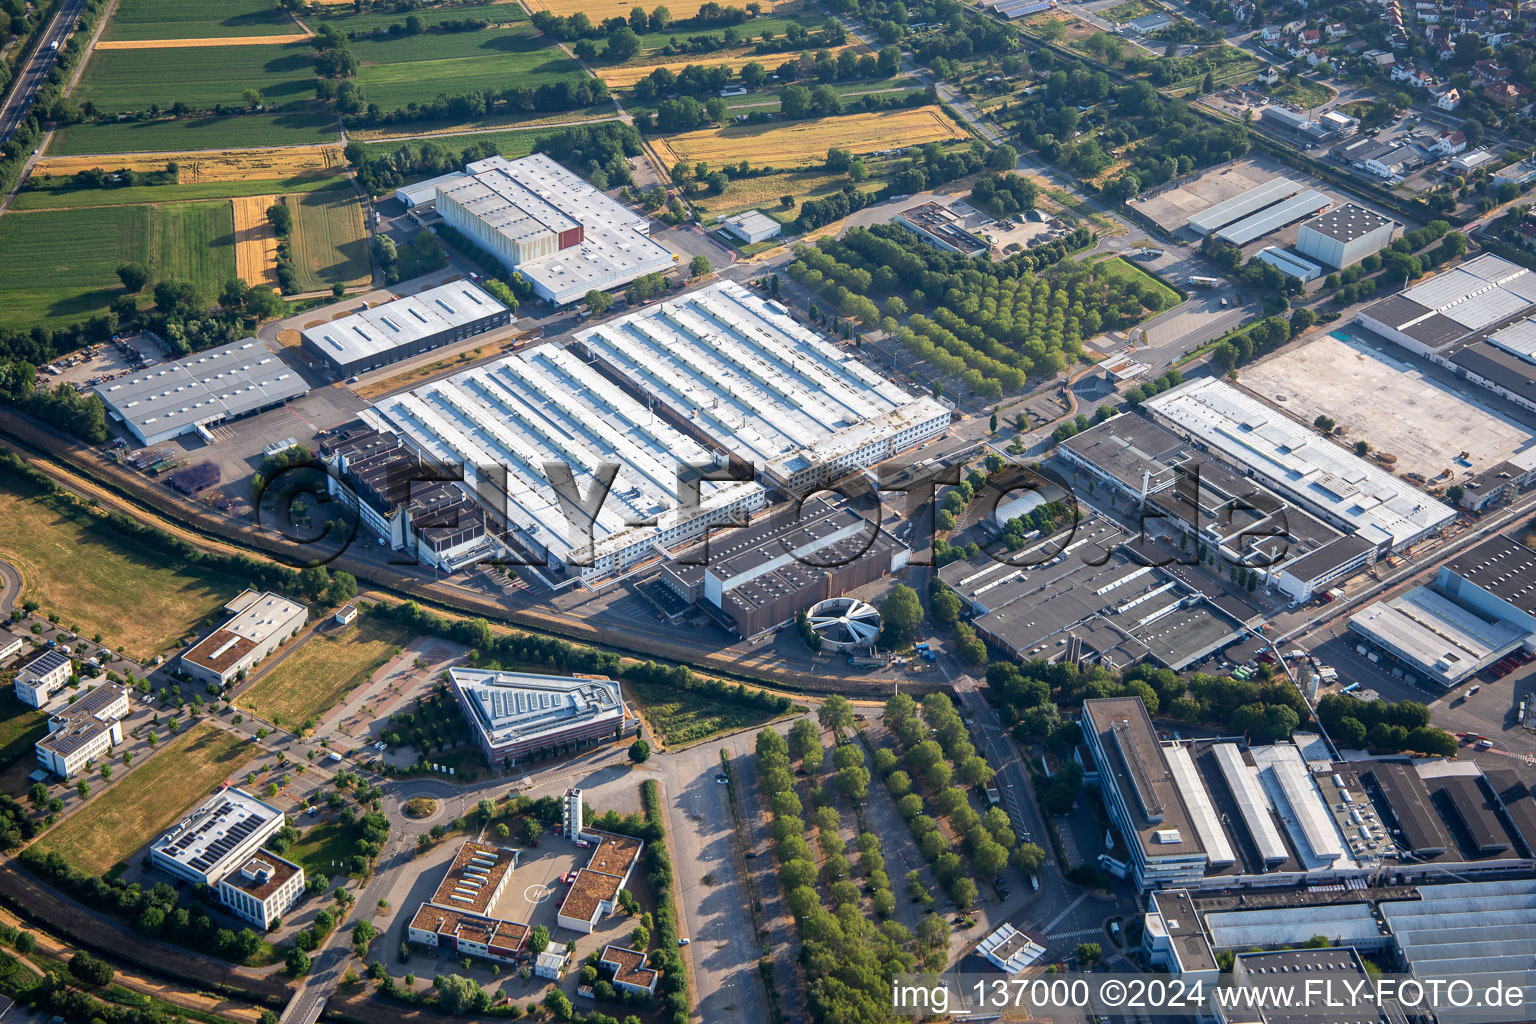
(1088, 953)
(538, 940)
(835, 714)
(134, 276)
(698, 266)
(639, 751)
(598, 302)
(901, 615)
(297, 962)
(457, 994)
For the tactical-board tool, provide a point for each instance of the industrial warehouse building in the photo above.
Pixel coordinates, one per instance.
(259, 623)
(736, 371)
(547, 407)
(1213, 815)
(1197, 498)
(756, 578)
(752, 227)
(459, 918)
(1054, 607)
(1245, 204)
(1334, 484)
(406, 502)
(84, 730)
(563, 236)
(1480, 607)
(167, 400)
(1475, 319)
(519, 716)
(1345, 235)
(403, 328)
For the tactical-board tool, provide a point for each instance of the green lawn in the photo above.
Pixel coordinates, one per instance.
(20, 726)
(343, 17)
(62, 196)
(510, 144)
(1120, 269)
(323, 848)
(200, 76)
(750, 31)
(57, 267)
(197, 19)
(415, 69)
(296, 129)
(680, 716)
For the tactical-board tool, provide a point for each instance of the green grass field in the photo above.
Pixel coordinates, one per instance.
(750, 31)
(329, 243)
(296, 129)
(149, 799)
(509, 144)
(324, 669)
(1124, 270)
(687, 717)
(343, 17)
(324, 848)
(416, 69)
(72, 565)
(199, 76)
(63, 197)
(20, 727)
(197, 19)
(59, 266)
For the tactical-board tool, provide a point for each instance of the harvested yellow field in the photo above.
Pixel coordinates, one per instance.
(255, 240)
(222, 165)
(601, 10)
(177, 44)
(801, 142)
(626, 75)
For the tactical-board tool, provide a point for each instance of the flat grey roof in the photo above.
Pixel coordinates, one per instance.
(1126, 447)
(220, 383)
(1274, 218)
(1492, 363)
(1403, 792)
(1504, 568)
(1136, 763)
(1347, 223)
(372, 332)
(1396, 311)
(1243, 204)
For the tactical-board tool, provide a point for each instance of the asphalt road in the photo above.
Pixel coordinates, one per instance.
(14, 109)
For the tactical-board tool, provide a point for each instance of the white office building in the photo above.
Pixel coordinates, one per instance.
(85, 730)
(40, 678)
(258, 626)
(262, 889)
(217, 837)
(551, 226)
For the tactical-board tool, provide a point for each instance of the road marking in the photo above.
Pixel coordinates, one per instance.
(1070, 907)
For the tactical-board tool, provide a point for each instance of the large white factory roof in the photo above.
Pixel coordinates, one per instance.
(1299, 462)
(1252, 804)
(519, 198)
(1243, 205)
(1518, 339)
(1478, 932)
(224, 382)
(543, 406)
(1273, 219)
(776, 393)
(1301, 805)
(372, 332)
(1436, 632)
(1280, 927)
(1218, 851)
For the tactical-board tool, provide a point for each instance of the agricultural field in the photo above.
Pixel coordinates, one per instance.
(149, 799)
(20, 727)
(202, 77)
(72, 565)
(778, 22)
(201, 41)
(324, 669)
(802, 142)
(498, 12)
(59, 266)
(680, 716)
(301, 128)
(330, 244)
(196, 19)
(764, 193)
(230, 165)
(511, 126)
(255, 240)
(416, 69)
(622, 76)
(62, 196)
(1121, 13)
(599, 10)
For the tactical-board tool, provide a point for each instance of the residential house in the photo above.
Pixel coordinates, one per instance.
(1506, 94)
(1448, 98)
(1450, 143)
